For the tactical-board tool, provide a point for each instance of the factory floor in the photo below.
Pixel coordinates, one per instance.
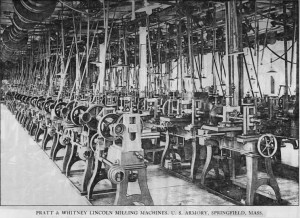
(29, 177)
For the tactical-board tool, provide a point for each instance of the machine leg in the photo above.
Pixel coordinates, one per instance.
(88, 171)
(55, 139)
(45, 134)
(67, 157)
(38, 133)
(32, 129)
(57, 147)
(122, 198)
(272, 180)
(47, 138)
(24, 121)
(232, 165)
(207, 165)
(97, 176)
(163, 156)
(195, 163)
(73, 159)
(252, 182)
(27, 125)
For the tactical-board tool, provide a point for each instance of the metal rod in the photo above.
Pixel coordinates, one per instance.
(248, 75)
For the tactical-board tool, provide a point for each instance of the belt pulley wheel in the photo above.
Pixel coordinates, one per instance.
(36, 6)
(116, 174)
(21, 24)
(84, 152)
(30, 16)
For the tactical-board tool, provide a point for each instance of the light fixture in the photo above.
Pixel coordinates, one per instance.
(271, 69)
(252, 78)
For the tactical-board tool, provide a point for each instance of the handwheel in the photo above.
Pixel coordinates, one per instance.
(40, 103)
(58, 107)
(33, 100)
(104, 123)
(89, 117)
(75, 114)
(47, 105)
(267, 145)
(66, 111)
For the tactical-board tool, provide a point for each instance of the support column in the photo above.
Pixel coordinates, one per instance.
(233, 52)
(101, 65)
(77, 78)
(143, 61)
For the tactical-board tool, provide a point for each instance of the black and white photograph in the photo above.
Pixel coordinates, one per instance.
(149, 108)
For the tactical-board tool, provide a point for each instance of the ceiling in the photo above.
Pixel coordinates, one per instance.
(163, 14)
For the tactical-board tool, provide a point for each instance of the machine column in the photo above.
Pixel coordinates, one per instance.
(143, 61)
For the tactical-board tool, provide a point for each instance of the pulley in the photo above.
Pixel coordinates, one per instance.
(116, 174)
(41, 11)
(64, 140)
(84, 152)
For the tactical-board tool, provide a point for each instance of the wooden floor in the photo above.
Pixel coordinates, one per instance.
(29, 177)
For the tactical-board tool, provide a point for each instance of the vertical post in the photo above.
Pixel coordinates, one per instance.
(286, 89)
(227, 79)
(233, 46)
(240, 57)
(143, 61)
(77, 78)
(179, 61)
(297, 73)
(167, 73)
(87, 50)
(101, 78)
(191, 56)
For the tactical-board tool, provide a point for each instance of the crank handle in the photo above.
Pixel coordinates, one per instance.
(140, 157)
